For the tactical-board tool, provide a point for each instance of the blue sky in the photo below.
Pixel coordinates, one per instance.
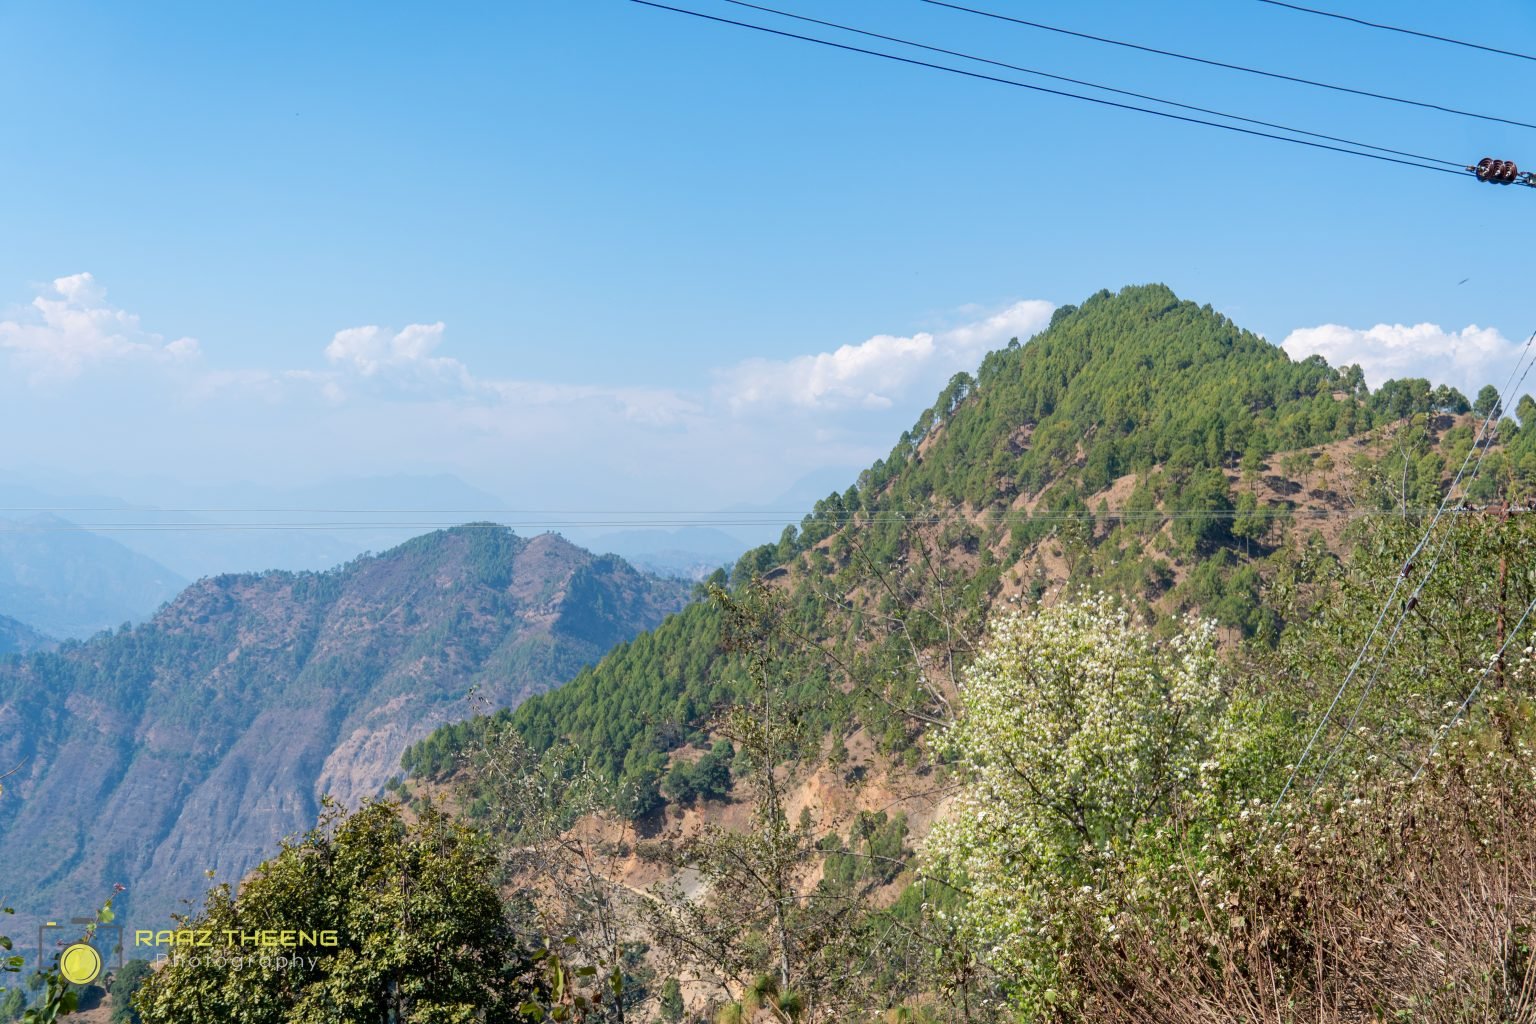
(590, 255)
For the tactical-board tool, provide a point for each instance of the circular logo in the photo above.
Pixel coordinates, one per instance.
(80, 964)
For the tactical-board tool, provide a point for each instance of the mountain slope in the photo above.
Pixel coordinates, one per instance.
(20, 638)
(1158, 409)
(202, 737)
(69, 582)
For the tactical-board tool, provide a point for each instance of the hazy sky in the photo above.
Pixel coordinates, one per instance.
(592, 255)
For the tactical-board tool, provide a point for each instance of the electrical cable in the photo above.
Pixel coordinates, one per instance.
(1042, 89)
(891, 513)
(1231, 67)
(1408, 605)
(1395, 28)
(1460, 165)
(1396, 586)
(1461, 709)
(503, 521)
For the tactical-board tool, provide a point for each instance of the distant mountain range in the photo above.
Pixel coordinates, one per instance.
(201, 530)
(69, 582)
(200, 738)
(196, 531)
(689, 552)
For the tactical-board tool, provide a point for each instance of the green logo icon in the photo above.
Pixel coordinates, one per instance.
(80, 964)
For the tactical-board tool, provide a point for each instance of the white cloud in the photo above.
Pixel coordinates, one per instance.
(878, 371)
(405, 362)
(1465, 359)
(373, 350)
(377, 398)
(1021, 320)
(71, 326)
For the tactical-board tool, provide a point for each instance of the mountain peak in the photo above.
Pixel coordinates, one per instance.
(202, 737)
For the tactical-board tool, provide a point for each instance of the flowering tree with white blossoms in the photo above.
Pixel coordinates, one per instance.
(1078, 734)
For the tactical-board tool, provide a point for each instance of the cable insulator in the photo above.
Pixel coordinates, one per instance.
(1498, 172)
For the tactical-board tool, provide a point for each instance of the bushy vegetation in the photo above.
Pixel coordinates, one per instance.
(413, 912)
(125, 985)
(708, 778)
(1121, 842)
(1078, 736)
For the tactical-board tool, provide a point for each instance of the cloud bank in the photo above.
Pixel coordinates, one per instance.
(72, 327)
(380, 398)
(86, 380)
(1465, 359)
(876, 372)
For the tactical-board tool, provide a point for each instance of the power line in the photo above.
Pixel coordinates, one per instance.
(930, 518)
(888, 512)
(1396, 586)
(1042, 89)
(1408, 605)
(1092, 85)
(1476, 689)
(1395, 28)
(1231, 67)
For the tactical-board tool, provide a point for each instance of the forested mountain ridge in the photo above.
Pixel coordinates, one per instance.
(199, 739)
(1134, 445)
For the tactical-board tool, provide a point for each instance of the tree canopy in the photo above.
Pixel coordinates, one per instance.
(416, 921)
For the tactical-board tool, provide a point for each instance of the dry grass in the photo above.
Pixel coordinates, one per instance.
(1418, 905)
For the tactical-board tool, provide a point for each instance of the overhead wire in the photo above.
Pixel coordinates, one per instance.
(1459, 165)
(1408, 605)
(1355, 666)
(1477, 687)
(1396, 28)
(1043, 89)
(505, 520)
(1348, 731)
(1230, 67)
(909, 512)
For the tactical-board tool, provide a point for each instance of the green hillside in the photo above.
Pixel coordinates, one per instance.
(1137, 382)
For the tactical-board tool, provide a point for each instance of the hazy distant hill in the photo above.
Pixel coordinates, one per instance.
(20, 638)
(204, 530)
(689, 552)
(202, 737)
(69, 582)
